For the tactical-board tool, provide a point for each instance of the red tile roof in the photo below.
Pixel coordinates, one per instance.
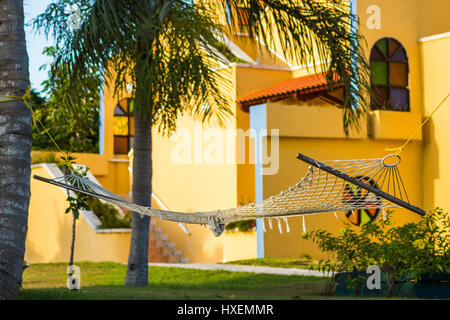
(300, 85)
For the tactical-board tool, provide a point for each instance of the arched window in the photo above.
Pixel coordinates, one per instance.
(389, 68)
(123, 126)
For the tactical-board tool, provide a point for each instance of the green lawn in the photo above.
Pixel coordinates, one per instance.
(105, 281)
(279, 263)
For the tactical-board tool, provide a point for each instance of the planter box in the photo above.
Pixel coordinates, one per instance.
(436, 286)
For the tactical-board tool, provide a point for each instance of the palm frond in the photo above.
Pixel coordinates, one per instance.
(314, 32)
(164, 47)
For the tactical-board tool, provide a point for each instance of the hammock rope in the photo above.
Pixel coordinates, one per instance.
(400, 149)
(27, 100)
(328, 186)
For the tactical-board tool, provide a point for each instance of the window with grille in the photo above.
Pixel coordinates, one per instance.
(123, 126)
(389, 69)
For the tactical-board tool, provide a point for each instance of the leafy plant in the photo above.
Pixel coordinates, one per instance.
(108, 215)
(411, 251)
(72, 123)
(76, 203)
(223, 49)
(306, 256)
(243, 226)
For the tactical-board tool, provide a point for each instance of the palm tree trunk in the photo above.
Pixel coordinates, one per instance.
(137, 271)
(15, 148)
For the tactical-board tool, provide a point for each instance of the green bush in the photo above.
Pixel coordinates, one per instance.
(413, 250)
(306, 256)
(72, 123)
(108, 215)
(243, 226)
(223, 49)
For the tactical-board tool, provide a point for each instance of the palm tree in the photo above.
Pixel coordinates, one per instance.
(15, 148)
(167, 48)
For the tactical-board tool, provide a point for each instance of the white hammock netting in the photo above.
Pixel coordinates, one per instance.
(328, 186)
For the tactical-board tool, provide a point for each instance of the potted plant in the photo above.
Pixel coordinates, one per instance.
(413, 259)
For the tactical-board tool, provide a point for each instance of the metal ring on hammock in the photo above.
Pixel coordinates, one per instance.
(389, 156)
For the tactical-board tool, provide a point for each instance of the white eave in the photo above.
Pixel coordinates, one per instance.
(435, 37)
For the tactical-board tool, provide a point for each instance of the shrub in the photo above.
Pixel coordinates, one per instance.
(108, 215)
(306, 256)
(223, 49)
(243, 226)
(413, 250)
(72, 123)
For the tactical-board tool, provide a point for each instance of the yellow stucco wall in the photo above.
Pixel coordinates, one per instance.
(436, 74)
(239, 245)
(50, 230)
(97, 163)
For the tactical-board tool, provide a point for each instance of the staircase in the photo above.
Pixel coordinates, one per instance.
(160, 249)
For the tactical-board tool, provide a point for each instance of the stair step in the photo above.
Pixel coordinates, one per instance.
(164, 237)
(157, 230)
(184, 260)
(168, 251)
(160, 249)
(155, 250)
(171, 245)
(174, 259)
(157, 243)
(155, 236)
(158, 258)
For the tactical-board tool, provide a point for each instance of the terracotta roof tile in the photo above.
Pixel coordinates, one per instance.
(305, 84)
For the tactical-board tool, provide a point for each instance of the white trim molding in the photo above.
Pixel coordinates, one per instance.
(435, 37)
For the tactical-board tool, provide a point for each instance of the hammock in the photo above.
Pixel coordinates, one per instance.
(328, 186)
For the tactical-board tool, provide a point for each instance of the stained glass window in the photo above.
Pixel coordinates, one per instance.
(123, 126)
(389, 69)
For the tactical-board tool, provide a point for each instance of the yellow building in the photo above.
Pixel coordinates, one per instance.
(408, 45)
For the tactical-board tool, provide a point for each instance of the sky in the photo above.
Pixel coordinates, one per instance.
(36, 42)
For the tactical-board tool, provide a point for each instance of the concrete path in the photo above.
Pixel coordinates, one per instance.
(239, 268)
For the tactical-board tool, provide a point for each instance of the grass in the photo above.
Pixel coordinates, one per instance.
(299, 263)
(103, 281)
